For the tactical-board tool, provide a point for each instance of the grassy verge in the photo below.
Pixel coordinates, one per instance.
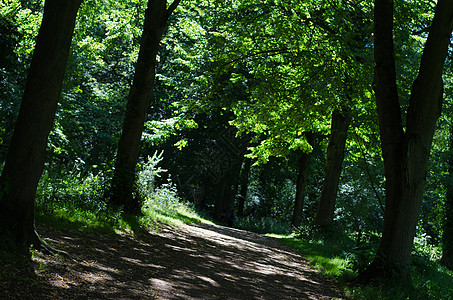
(326, 254)
(79, 203)
(163, 205)
(339, 259)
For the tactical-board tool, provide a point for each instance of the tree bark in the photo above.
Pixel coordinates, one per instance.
(226, 191)
(335, 157)
(447, 237)
(405, 154)
(304, 163)
(26, 155)
(123, 182)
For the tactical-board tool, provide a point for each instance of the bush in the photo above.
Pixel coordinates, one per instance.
(76, 198)
(146, 178)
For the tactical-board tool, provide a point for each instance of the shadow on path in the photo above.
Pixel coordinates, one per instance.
(188, 262)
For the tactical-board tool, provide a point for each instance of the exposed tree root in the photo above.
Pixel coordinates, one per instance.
(40, 245)
(379, 270)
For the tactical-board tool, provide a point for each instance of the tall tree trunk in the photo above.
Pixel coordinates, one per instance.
(123, 182)
(304, 163)
(405, 154)
(335, 157)
(244, 182)
(447, 237)
(26, 155)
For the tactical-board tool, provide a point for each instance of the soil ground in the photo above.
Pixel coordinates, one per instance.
(188, 262)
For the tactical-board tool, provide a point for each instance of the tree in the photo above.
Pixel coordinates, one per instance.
(405, 152)
(335, 156)
(16, 52)
(156, 17)
(226, 190)
(97, 81)
(285, 100)
(25, 159)
(303, 164)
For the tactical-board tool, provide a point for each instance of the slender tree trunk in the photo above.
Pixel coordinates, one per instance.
(304, 163)
(335, 157)
(26, 155)
(406, 154)
(123, 182)
(244, 181)
(447, 237)
(226, 191)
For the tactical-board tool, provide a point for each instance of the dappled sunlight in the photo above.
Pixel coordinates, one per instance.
(101, 267)
(186, 262)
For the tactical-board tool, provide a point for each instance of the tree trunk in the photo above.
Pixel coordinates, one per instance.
(447, 237)
(226, 191)
(26, 155)
(304, 163)
(123, 182)
(405, 154)
(335, 157)
(244, 180)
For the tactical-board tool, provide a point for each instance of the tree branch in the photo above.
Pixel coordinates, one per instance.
(171, 9)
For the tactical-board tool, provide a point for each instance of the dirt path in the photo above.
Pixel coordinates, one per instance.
(191, 262)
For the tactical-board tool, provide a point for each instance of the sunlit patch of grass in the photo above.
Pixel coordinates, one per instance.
(429, 280)
(80, 204)
(163, 205)
(331, 266)
(69, 199)
(327, 256)
(64, 215)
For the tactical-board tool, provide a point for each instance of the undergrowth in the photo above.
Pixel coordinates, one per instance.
(335, 254)
(262, 225)
(65, 200)
(72, 199)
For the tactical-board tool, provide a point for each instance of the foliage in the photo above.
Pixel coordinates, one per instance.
(165, 206)
(262, 225)
(19, 26)
(162, 204)
(273, 69)
(147, 176)
(77, 199)
(74, 198)
(339, 258)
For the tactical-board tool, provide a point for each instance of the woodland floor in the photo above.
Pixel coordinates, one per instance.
(188, 262)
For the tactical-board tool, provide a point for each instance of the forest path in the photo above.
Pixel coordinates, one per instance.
(188, 262)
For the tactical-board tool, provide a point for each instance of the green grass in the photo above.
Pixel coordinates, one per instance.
(337, 258)
(328, 256)
(427, 282)
(79, 203)
(163, 205)
(76, 203)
